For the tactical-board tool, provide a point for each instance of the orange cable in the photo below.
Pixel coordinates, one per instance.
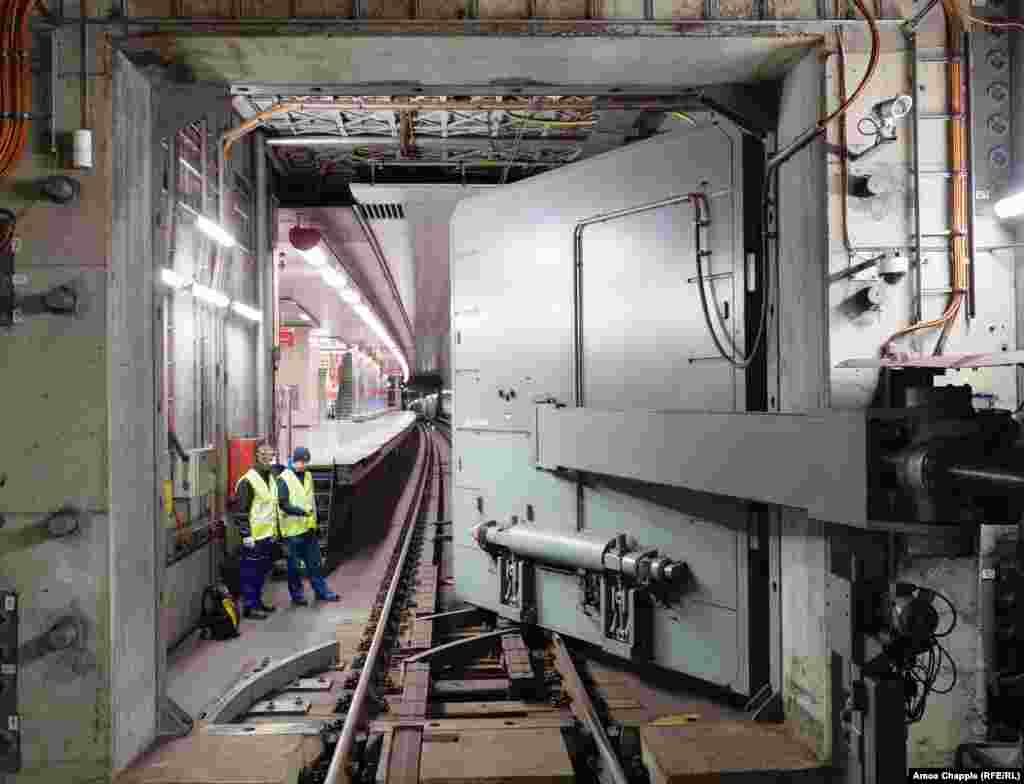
(958, 200)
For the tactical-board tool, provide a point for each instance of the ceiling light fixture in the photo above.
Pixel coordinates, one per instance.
(245, 311)
(332, 277)
(214, 232)
(303, 316)
(315, 256)
(350, 295)
(209, 296)
(1010, 207)
(173, 279)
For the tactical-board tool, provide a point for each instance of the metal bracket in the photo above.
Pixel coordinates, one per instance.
(515, 586)
(311, 684)
(618, 614)
(280, 705)
(173, 720)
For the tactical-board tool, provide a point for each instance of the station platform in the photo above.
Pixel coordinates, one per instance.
(351, 444)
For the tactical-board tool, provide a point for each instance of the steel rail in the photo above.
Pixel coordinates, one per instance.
(581, 699)
(416, 492)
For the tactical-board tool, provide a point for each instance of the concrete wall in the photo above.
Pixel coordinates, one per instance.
(80, 429)
(55, 424)
(796, 383)
(948, 565)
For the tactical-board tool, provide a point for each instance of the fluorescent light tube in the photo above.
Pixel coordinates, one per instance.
(315, 256)
(173, 279)
(332, 277)
(350, 295)
(245, 311)
(209, 296)
(303, 316)
(214, 232)
(1011, 206)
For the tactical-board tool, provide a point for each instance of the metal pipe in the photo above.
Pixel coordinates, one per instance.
(971, 208)
(581, 700)
(989, 479)
(579, 551)
(456, 645)
(986, 653)
(54, 43)
(265, 289)
(912, 40)
(348, 733)
(84, 44)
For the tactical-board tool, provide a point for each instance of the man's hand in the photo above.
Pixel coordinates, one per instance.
(248, 541)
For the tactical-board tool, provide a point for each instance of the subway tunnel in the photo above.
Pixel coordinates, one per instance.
(644, 382)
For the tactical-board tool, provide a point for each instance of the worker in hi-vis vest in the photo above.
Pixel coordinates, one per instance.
(257, 504)
(299, 529)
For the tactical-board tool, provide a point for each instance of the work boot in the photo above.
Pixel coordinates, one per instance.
(329, 597)
(267, 608)
(255, 613)
(300, 602)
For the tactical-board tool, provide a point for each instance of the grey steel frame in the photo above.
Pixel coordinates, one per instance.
(680, 27)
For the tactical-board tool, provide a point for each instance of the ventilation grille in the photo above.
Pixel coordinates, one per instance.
(382, 211)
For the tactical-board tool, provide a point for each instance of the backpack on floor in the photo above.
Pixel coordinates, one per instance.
(220, 615)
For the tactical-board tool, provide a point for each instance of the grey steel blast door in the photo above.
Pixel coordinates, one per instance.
(557, 274)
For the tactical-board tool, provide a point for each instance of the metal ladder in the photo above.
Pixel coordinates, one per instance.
(946, 233)
(323, 492)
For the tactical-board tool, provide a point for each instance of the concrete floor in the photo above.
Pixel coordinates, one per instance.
(347, 443)
(200, 671)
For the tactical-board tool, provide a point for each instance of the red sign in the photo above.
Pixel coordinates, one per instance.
(287, 337)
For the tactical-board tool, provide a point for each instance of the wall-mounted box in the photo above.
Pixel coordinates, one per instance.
(197, 476)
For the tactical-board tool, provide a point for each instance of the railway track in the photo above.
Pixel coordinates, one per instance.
(430, 692)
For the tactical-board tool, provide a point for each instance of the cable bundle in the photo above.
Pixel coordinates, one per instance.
(15, 81)
(960, 269)
(921, 673)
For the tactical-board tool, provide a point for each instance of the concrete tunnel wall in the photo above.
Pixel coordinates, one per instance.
(79, 709)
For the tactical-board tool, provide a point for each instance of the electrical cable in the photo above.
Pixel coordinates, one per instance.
(921, 672)
(684, 118)
(772, 167)
(960, 258)
(16, 80)
(699, 223)
(988, 23)
(952, 609)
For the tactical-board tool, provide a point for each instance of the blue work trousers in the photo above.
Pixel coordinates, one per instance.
(255, 564)
(306, 548)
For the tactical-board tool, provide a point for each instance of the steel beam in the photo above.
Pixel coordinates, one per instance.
(427, 142)
(677, 27)
(729, 454)
(265, 286)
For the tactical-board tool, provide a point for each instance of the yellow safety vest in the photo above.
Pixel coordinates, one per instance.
(263, 515)
(300, 495)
